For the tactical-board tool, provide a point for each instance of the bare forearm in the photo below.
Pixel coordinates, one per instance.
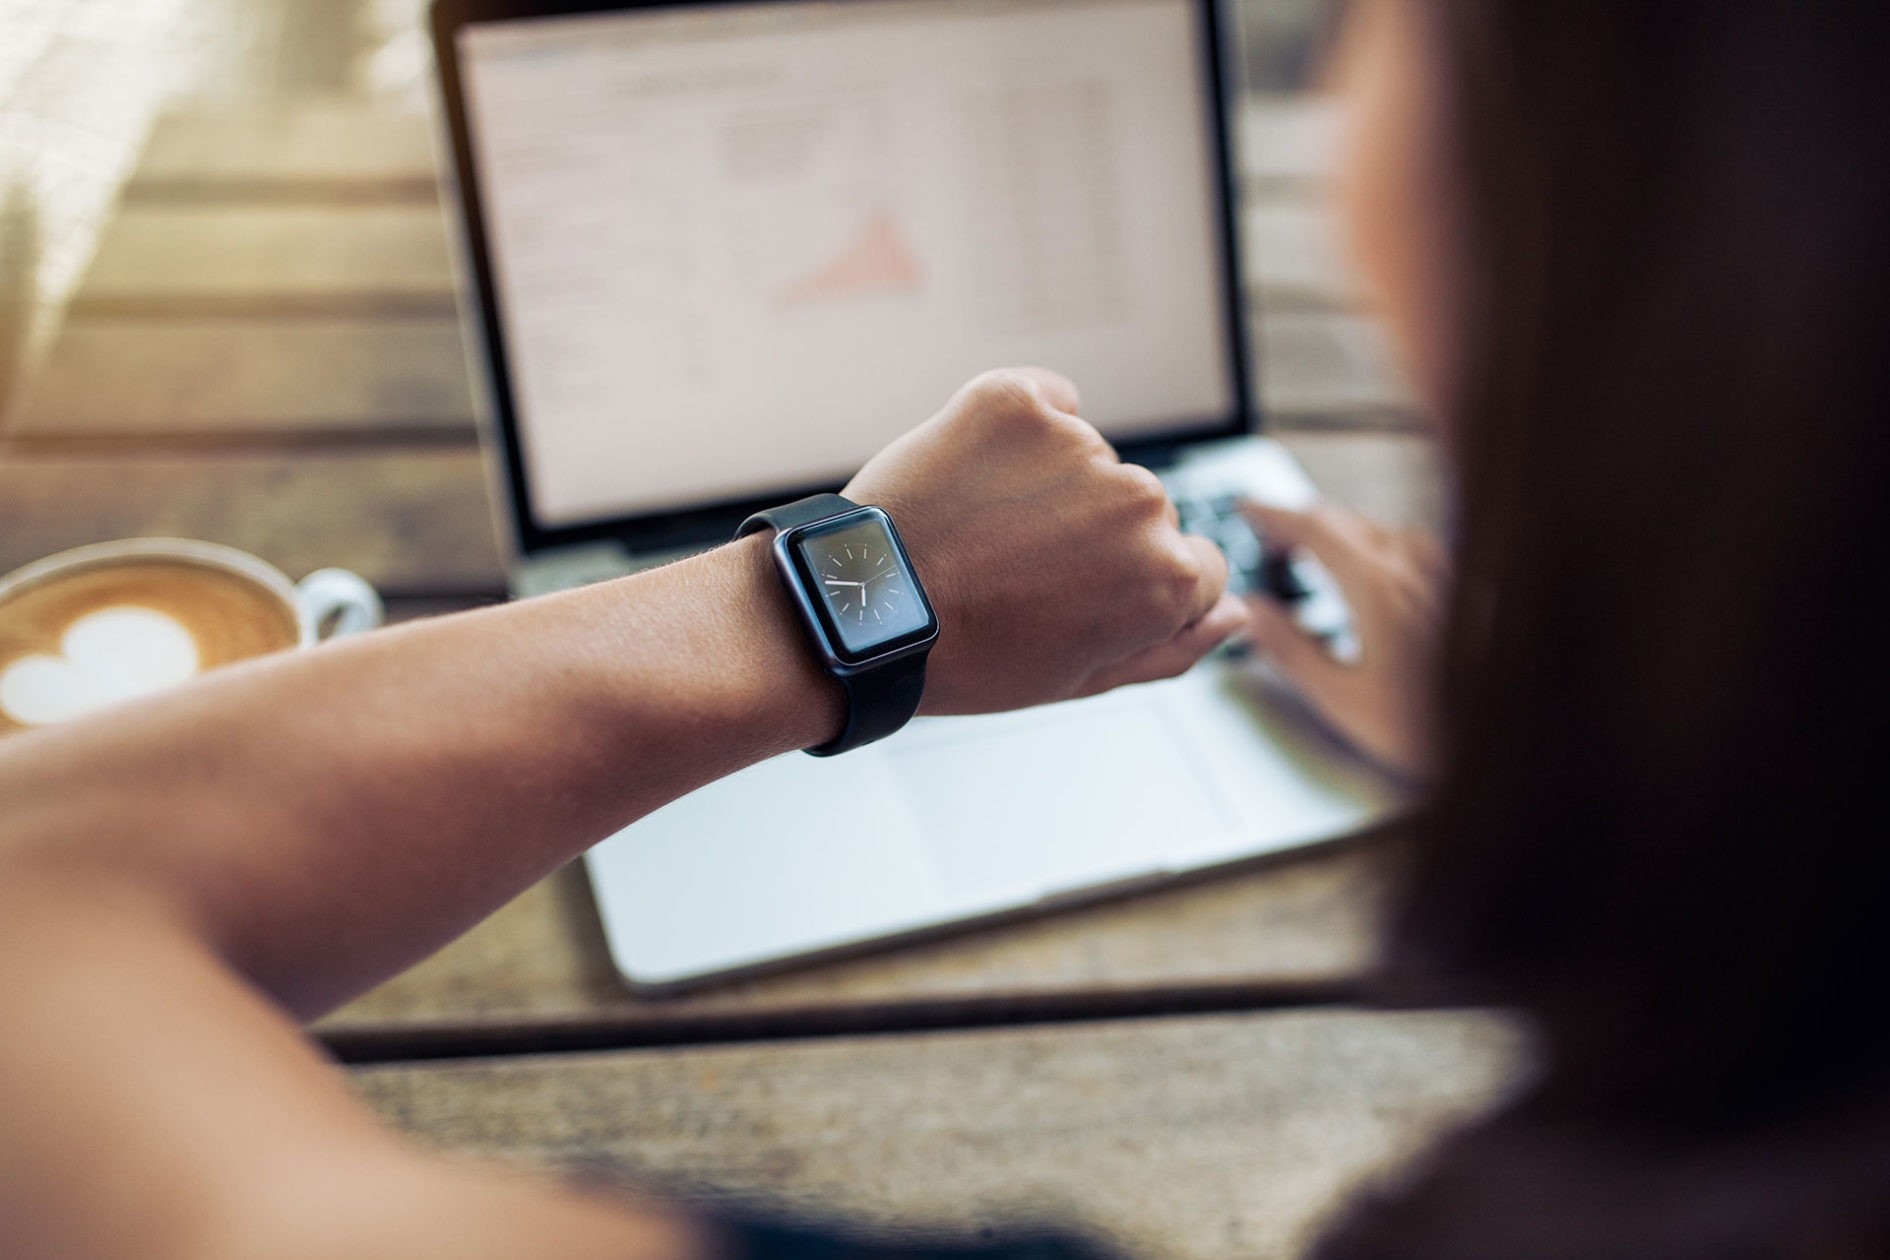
(326, 818)
(306, 825)
(320, 820)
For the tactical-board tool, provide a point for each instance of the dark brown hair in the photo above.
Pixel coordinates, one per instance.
(1661, 824)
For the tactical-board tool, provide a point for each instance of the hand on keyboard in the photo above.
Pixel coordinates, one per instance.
(1286, 575)
(1378, 695)
(1056, 568)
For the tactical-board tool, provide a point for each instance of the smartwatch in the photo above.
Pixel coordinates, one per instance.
(860, 599)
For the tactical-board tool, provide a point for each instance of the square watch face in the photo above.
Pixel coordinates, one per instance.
(864, 587)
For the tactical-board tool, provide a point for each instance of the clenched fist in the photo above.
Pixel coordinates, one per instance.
(1056, 569)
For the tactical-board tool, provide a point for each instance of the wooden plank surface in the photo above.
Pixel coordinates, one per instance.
(538, 972)
(413, 521)
(1293, 256)
(216, 147)
(1330, 368)
(1192, 1139)
(1287, 141)
(193, 255)
(248, 376)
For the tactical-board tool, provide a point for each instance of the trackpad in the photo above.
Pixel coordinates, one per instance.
(1081, 794)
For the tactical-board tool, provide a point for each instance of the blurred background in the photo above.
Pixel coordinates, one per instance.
(82, 83)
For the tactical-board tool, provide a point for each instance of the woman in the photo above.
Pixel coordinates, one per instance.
(1636, 256)
(1639, 258)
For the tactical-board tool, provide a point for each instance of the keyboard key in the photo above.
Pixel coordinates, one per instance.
(1281, 579)
(1243, 549)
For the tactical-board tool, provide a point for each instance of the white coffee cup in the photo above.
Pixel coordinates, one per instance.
(90, 627)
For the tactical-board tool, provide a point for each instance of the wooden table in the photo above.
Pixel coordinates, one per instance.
(265, 353)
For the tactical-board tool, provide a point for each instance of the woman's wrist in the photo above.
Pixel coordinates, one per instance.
(785, 690)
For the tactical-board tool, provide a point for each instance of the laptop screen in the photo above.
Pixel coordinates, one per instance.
(737, 248)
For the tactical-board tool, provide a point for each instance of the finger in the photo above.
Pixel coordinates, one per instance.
(1177, 655)
(1054, 388)
(1299, 657)
(1211, 583)
(1342, 541)
(1426, 553)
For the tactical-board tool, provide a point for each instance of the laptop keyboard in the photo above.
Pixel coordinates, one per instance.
(1253, 568)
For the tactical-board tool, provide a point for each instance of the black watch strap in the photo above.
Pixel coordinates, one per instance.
(881, 700)
(815, 507)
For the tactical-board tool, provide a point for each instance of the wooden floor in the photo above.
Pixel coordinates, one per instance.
(265, 353)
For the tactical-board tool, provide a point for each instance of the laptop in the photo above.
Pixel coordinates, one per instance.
(719, 253)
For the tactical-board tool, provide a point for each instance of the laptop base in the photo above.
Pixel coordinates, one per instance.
(961, 820)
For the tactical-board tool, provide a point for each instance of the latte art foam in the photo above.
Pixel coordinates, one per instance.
(85, 639)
